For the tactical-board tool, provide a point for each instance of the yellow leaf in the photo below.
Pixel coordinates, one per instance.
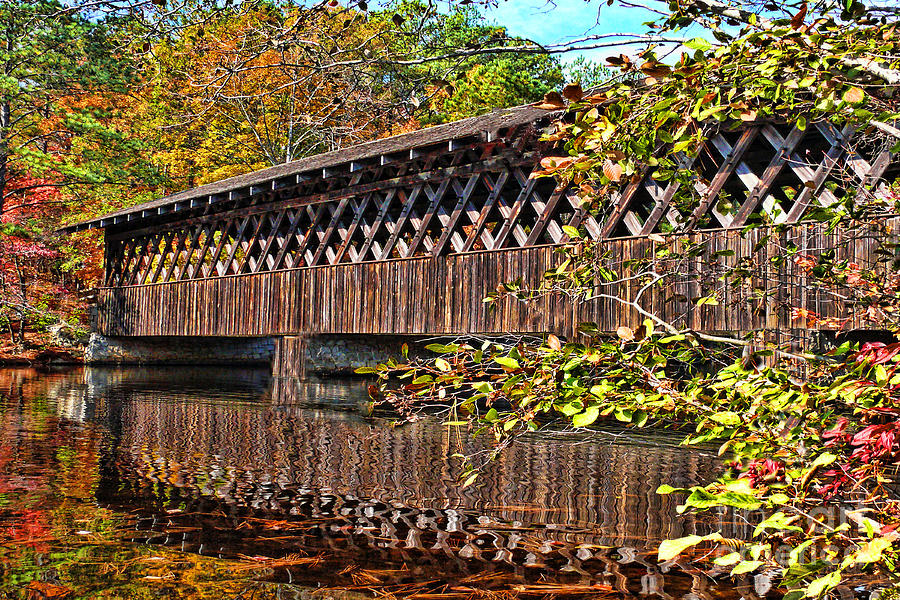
(553, 342)
(854, 95)
(871, 551)
(612, 170)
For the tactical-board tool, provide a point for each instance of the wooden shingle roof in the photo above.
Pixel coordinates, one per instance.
(289, 174)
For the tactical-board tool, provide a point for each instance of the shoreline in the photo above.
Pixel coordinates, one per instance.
(45, 357)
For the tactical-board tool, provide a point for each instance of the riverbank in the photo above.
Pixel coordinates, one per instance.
(38, 350)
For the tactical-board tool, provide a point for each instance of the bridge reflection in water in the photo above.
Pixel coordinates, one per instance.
(229, 463)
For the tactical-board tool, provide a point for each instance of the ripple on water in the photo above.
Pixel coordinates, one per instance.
(231, 463)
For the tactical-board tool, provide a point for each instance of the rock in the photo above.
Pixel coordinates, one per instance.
(56, 357)
(65, 335)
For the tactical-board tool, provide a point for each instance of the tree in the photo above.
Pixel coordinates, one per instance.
(51, 61)
(588, 74)
(253, 87)
(442, 85)
(231, 95)
(22, 262)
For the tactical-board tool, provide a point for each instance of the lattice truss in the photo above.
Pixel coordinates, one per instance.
(477, 195)
(770, 173)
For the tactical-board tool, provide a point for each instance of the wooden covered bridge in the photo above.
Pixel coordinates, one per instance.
(407, 235)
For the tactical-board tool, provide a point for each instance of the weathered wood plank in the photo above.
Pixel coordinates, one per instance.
(437, 295)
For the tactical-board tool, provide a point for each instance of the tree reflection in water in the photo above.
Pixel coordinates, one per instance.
(212, 482)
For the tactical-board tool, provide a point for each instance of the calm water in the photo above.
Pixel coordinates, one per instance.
(224, 483)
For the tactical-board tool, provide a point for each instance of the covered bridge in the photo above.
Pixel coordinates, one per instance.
(406, 235)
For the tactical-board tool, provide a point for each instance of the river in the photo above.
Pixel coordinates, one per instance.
(227, 483)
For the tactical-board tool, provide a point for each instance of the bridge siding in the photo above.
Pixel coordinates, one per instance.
(306, 257)
(443, 295)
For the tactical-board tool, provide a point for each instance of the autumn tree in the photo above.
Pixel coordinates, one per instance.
(438, 83)
(52, 59)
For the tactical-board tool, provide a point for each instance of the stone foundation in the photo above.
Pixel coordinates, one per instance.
(343, 354)
(322, 354)
(179, 350)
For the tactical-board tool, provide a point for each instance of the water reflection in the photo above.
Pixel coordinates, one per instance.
(231, 463)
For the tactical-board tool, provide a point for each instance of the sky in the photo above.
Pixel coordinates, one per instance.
(565, 20)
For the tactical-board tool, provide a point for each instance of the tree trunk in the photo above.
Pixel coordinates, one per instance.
(4, 150)
(23, 293)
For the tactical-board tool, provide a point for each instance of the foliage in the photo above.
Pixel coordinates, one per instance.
(791, 445)
(810, 67)
(807, 434)
(112, 103)
(588, 73)
(245, 103)
(499, 83)
(61, 71)
(443, 85)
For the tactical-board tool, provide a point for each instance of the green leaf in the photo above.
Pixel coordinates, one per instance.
(727, 418)
(797, 573)
(510, 364)
(826, 458)
(601, 390)
(738, 500)
(572, 232)
(746, 567)
(728, 559)
(484, 387)
(587, 417)
(571, 408)
(639, 418)
(492, 415)
(698, 43)
(672, 338)
(699, 498)
(443, 348)
(669, 549)
(442, 364)
(821, 585)
(796, 553)
(777, 521)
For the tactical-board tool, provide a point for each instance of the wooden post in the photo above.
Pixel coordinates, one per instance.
(289, 358)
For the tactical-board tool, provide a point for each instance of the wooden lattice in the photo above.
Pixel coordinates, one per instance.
(477, 194)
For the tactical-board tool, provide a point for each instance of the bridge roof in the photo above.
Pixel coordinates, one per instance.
(292, 173)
